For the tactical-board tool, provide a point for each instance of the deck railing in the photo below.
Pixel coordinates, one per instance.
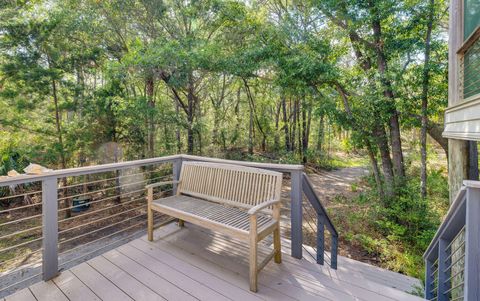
(323, 224)
(453, 258)
(68, 216)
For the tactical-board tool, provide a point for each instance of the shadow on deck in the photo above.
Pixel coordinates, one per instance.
(192, 263)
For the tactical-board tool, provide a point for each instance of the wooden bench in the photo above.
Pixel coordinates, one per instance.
(238, 201)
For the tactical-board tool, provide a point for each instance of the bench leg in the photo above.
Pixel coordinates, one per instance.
(253, 266)
(253, 254)
(181, 223)
(277, 245)
(150, 223)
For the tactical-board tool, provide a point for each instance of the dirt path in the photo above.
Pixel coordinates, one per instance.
(329, 184)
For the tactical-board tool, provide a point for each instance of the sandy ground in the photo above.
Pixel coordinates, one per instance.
(329, 184)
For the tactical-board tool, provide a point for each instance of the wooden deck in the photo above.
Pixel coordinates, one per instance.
(195, 264)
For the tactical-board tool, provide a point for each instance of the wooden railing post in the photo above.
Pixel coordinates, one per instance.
(320, 239)
(442, 272)
(296, 214)
(472, 246)
(177, 166)
(50, 228)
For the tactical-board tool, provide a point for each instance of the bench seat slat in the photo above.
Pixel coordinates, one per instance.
(218, 197)
(218, 213)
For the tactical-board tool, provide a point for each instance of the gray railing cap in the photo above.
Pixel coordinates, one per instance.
(77, 171)
(276, 166)
(456, 203)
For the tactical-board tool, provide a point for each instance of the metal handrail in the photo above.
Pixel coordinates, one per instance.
(323, 220)
(317, 205)
(53, 193)
(78, 171)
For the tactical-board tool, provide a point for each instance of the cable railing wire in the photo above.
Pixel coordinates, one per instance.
(21, 257)
(103, 228)
(109, 188)
(19, 195)
(20, 245)
(20, 207)
(460, 248)
(116, 196)
(99, 210)
(103, 222)
(105, 237)
(20, 232)
(108, 179)
(98, 220)
(21, 220)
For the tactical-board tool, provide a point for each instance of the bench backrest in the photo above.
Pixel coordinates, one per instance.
(230, 184)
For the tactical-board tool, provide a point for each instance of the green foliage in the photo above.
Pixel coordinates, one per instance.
(396, 232)
(255, 80)
(12, 160)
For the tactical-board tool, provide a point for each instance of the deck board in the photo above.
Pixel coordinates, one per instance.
(99, 284)
(156, 283)
(73, 288)
(22, 295)
(47, 291)
(229, 284)
(306, 277)
(282, 285)
(190, 285)
(313, 283)
(135, 289)
(192, 263)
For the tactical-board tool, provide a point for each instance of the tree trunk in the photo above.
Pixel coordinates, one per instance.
(395, 135)
(304, 132)
(294, 126)
(285, 123)
(382, 143)
(276, 143)
(309, 123)
(150, 87)
(250, 133)
(397, 151)
(321, 133)
(238, 118)
(67, 201)
(376, 171)
(425, 86)
(255, 117)
(200, 145)
(216, 122)
(177, 128)
(299, 126)
(190, 115)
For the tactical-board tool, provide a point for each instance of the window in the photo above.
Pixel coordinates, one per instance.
(471, 71)
(469, 83)
(471, 18)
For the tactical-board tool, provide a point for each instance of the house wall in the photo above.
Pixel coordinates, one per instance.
(457, 165)
(457, 149)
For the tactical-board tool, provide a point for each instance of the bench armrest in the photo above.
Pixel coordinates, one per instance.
(150, 186)
(254, 210)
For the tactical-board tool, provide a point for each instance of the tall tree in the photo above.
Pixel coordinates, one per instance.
(425, 86)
